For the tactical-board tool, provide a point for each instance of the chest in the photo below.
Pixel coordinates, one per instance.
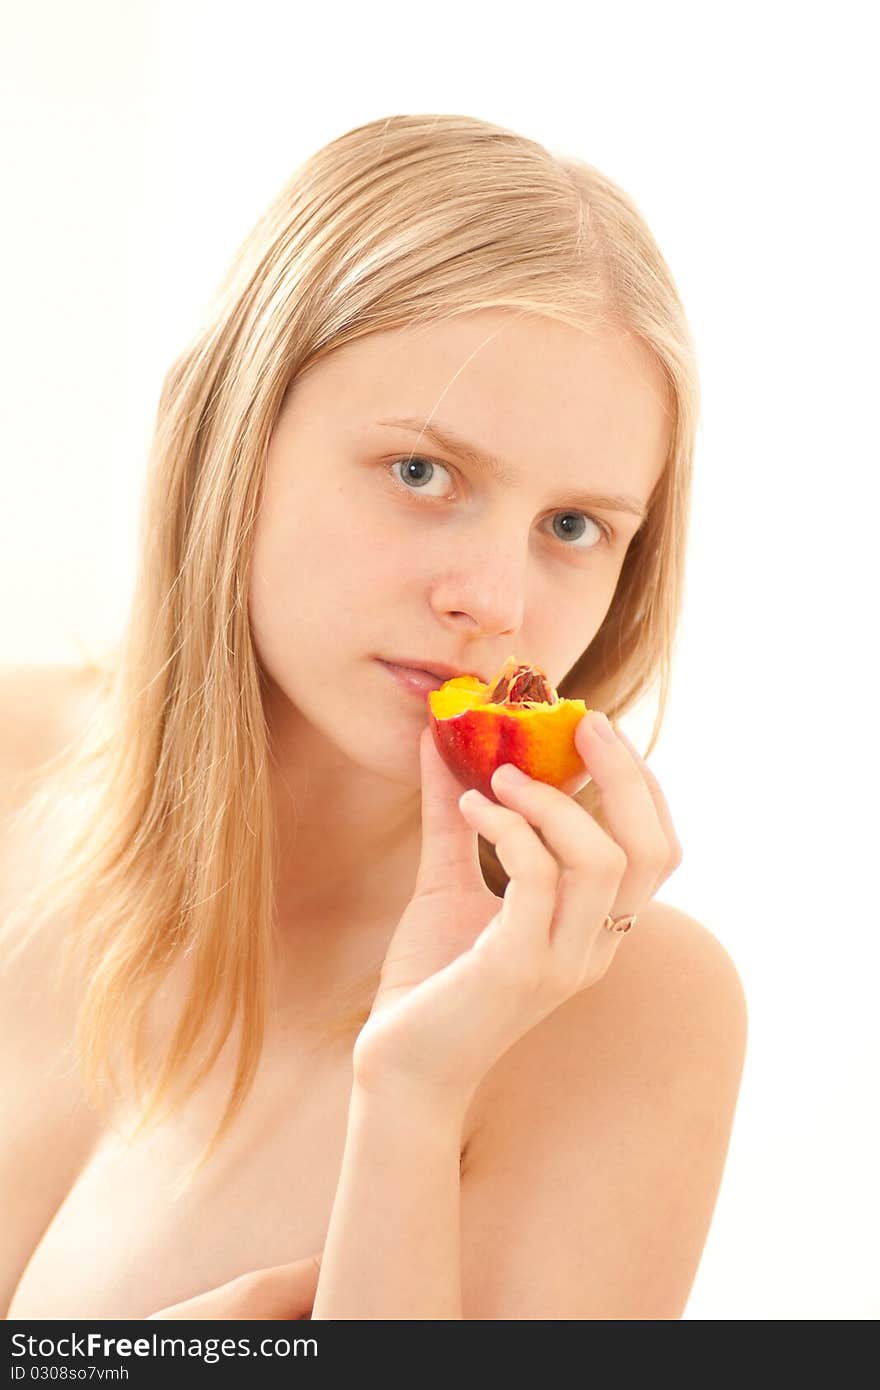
(128, 1240)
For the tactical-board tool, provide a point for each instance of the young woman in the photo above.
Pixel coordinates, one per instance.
(327, 1037)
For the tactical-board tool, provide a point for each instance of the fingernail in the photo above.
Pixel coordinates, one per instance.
(474, 798)
(509, 775)
(600, 726)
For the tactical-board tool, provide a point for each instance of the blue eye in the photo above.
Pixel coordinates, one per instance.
(415, 465)
(577, 517)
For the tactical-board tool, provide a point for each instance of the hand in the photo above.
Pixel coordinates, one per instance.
(466, 974)
(281, 1291)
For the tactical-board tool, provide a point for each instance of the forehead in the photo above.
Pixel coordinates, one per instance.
(525, 388)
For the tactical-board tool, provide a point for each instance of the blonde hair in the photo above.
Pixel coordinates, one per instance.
(398, 222)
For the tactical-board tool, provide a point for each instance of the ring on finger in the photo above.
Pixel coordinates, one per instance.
(620, 924)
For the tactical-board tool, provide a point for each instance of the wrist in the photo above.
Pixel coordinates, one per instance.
(404, 1103)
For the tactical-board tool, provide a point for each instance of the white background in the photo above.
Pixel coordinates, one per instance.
(140, 143)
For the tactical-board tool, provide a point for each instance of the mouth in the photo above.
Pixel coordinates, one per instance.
(412, 678)
(439, 671)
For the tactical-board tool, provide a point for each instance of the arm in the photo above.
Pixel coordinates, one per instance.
(594, 1169)
(592, 1181)
(393, 1246)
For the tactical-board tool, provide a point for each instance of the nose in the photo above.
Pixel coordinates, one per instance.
(486, 589)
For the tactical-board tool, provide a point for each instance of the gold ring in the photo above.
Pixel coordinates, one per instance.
(619, 924)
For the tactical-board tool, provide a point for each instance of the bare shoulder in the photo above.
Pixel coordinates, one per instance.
(44, 712)
(47, 1123)
(599, 1140)
(42, 709)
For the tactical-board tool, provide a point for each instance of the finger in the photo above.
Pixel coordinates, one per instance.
(571, 834)
(226, 1301)
(291, 1288)
(532, 873)
(628, 809)
(676, 853)
(592, 866)
(450, 849)
(278, 1291)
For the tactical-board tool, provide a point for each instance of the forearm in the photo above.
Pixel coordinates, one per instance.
(393, 1245)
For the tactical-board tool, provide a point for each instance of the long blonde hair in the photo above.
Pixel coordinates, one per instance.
(398, 222)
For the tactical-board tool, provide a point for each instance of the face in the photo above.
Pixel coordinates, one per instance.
(373, 540)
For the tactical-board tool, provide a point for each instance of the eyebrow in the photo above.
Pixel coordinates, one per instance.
(487, 463)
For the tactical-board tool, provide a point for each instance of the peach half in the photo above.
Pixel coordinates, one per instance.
(517, 718)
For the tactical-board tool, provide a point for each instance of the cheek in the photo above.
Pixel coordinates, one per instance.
(575, 622)
(364, 547)
(595, 608)
(316, 574)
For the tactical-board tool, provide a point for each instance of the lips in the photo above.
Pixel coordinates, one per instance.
(427, 666)
(410, 678)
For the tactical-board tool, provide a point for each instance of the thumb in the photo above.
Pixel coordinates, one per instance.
(450, 847)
